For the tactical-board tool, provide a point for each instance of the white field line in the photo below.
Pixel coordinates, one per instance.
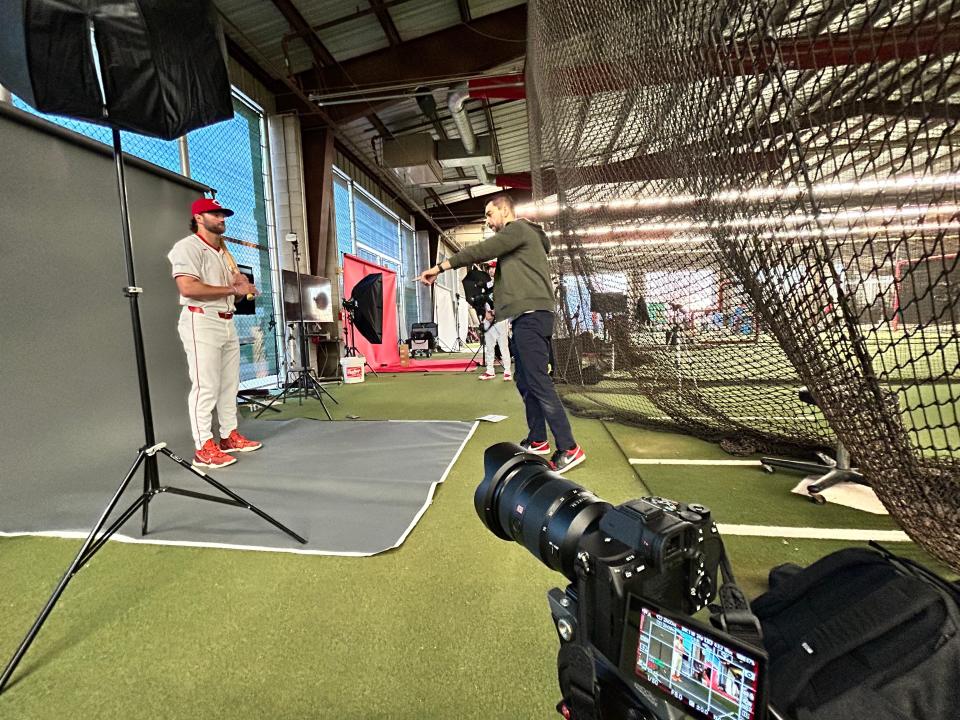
(675, 461)
(809, 533)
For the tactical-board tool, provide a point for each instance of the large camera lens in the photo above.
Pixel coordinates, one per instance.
(521, 499)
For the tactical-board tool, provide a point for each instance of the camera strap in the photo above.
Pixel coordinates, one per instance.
(734, 615)
(576, 668)
(576, 661)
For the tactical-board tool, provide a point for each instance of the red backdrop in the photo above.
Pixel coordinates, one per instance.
(386, 353)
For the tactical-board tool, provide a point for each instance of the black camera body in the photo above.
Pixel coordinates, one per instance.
(638, 571)
(664, 551)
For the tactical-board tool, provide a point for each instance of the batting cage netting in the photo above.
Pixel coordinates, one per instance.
(747, 198)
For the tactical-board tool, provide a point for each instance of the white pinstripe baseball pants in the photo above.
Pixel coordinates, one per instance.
(213, 359)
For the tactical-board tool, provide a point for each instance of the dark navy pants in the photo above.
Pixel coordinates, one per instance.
(530, 345)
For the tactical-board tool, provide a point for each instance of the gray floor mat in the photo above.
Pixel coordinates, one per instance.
(347, 487)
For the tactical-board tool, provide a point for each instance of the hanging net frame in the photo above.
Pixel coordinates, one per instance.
(747, 198)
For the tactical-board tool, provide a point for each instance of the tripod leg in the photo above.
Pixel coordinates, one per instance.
(327, 393)
(229, 493)
(319, 391)
(318, 396)
(151, 482)
(269, 405)
(89, 547)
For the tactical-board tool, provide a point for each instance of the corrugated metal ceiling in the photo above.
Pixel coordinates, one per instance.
(349, 30)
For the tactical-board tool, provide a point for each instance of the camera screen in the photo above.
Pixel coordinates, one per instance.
(709, 674)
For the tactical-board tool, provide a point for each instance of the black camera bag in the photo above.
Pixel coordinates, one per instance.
(862, 633)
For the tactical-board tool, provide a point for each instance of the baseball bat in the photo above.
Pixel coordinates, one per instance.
(233, 264)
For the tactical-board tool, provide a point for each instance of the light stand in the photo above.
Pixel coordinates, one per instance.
(146, 455)
(459, 344)
(350, 336)
(482, 348)
(306, 383)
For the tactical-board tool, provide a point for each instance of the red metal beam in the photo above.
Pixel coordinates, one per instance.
(502, 87)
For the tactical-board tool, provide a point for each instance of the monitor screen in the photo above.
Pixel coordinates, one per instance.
(706, 673)
(316, 298)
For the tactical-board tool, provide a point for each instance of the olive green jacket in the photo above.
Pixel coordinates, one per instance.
(522, 281)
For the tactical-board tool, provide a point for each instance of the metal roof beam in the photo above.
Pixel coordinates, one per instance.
(460, 49)
(301, 27)
(386, 22)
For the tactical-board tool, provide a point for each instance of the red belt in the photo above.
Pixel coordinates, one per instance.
(194, 308)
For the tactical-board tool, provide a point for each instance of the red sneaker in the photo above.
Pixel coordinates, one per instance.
(235, 442)
(564, 460)
(211, 456)
(487, 376)
(535, 447)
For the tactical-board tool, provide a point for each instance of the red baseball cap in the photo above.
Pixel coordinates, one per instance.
(204, 205)
(492, 263)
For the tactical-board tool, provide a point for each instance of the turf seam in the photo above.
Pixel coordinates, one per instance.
(623, 454)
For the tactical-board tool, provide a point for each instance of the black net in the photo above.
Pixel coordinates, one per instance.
(750, 197)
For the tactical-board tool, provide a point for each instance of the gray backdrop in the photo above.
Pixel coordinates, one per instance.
(69, 403)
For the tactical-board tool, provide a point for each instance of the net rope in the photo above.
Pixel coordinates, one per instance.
(747, 198)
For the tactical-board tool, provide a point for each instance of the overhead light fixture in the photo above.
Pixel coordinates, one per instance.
(820, 190)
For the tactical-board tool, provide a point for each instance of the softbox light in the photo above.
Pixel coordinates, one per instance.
(475, 289)
(368, 316)
(163, 62)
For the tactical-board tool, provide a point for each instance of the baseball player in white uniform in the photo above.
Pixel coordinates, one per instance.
(208, 280)
(495, 333)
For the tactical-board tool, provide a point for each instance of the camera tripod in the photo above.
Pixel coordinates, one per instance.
(146, 455)
(306, 384)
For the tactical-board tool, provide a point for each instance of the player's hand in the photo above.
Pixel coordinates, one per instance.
(490, 316)
(242, 287)
(429, 276)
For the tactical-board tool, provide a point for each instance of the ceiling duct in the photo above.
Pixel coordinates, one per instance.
(458, 96)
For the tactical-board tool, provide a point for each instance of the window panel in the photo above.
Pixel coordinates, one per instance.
(165, 153)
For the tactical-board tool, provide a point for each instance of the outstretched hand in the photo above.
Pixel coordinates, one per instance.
(429, 276)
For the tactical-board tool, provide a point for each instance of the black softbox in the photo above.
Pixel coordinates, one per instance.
(475, 289)
(368, 316)
(163, 62)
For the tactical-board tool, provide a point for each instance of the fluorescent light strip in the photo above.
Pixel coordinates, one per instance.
(885, 215)
(823, 190)
(692, 240)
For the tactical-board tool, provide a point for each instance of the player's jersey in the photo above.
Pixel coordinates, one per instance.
(192, 256)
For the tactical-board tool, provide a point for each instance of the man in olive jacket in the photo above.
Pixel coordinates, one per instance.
(523, 293)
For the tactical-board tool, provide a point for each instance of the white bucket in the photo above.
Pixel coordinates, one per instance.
(353, 369)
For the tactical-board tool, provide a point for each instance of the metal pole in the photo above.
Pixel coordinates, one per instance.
(183, 146)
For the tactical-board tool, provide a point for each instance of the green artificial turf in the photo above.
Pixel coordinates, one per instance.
(453, 624)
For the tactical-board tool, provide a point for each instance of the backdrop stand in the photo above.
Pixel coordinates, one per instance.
(146, 455)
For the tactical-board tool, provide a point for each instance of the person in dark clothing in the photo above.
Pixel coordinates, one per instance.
(524, 293)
